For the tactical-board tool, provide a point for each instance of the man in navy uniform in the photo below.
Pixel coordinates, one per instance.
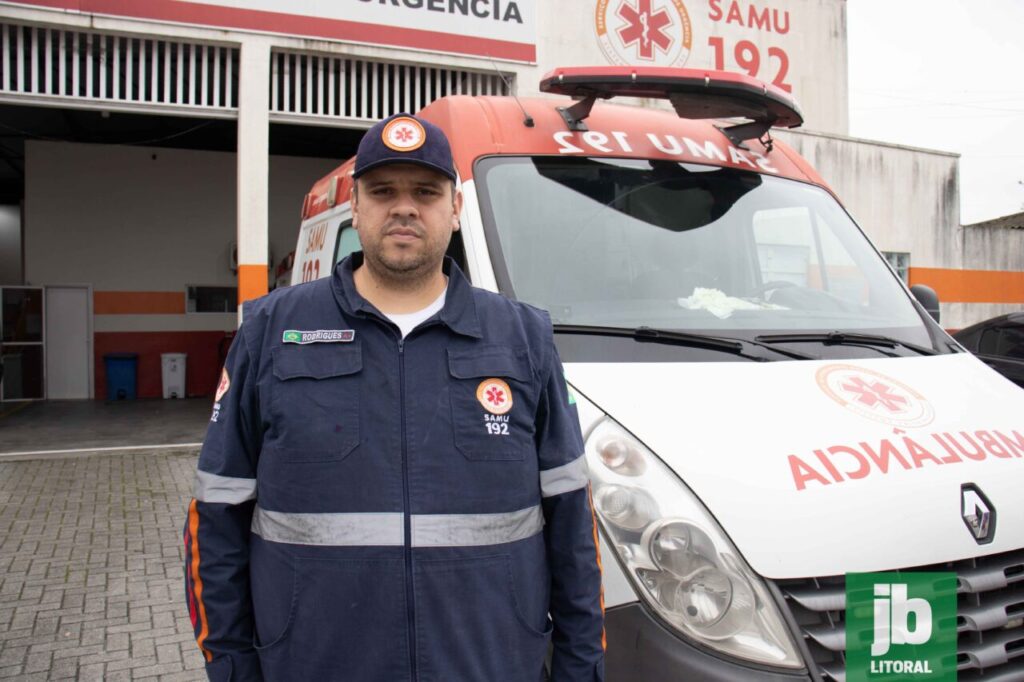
(392, 487)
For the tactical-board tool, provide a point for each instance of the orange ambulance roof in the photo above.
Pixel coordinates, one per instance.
(486, 126)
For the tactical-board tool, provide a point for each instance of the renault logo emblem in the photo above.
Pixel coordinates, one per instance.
(978, 513)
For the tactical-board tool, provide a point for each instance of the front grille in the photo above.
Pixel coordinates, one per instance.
(990, 617)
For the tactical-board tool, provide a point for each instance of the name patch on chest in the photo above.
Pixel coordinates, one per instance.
(318, 336)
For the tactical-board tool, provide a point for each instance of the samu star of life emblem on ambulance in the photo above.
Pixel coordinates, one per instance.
(874, 395)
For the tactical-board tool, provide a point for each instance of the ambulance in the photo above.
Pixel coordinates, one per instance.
(766, 407)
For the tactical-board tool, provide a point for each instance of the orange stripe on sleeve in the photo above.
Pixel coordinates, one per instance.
(197, 582)
(600, 568)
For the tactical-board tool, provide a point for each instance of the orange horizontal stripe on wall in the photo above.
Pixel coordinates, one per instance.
(138, 302)
(972, 286)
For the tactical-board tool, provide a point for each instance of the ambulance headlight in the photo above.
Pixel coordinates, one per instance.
(627, 507)
(681, 562)
(718, 602)
(621, 455)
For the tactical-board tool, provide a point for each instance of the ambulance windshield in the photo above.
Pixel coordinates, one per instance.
(629, 243)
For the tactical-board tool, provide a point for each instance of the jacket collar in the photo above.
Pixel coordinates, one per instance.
(459, 312)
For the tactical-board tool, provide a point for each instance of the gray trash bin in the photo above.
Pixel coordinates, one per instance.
(172, 366)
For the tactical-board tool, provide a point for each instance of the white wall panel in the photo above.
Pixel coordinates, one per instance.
(960, 315)
(907, 200)
(904, 199)
(146, 219)
(993, 248)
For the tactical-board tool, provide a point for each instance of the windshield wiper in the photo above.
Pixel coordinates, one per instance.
(647, 334)
(838, 338)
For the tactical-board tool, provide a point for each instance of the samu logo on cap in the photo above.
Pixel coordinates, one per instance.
(404, 134)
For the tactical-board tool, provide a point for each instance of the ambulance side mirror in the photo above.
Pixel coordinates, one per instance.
(928, 299)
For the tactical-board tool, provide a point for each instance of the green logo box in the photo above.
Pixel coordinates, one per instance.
(901, 626)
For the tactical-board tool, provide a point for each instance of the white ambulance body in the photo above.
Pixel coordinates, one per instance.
(766, 407)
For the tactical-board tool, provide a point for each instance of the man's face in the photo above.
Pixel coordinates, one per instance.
(405, 215)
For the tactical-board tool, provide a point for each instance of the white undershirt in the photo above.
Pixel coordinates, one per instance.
(408, 321)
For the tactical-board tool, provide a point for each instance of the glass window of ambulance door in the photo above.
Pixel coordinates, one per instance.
(347, 242)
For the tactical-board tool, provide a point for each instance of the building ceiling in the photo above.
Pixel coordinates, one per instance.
(20, 123)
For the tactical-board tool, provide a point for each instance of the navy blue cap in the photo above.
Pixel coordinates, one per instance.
(404, 138)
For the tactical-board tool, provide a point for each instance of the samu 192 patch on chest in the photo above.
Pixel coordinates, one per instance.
(496, 424)
(222, 388)
(495, 396)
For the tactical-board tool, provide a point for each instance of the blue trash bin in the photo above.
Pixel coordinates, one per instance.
(121, 371)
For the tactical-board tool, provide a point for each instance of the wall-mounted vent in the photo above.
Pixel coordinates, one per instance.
(308, 87)
(42, 65)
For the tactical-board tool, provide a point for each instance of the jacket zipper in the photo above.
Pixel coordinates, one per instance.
(407, 516)
(406, 511)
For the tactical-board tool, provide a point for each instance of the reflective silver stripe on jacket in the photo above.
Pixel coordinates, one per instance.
(564, 479)
(388, 529)
(473, 530)
(223, 489)
(338, 530)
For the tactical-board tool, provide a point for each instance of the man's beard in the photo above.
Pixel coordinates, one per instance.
(405, 267)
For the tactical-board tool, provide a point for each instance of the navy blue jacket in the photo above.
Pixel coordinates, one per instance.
(369, 508)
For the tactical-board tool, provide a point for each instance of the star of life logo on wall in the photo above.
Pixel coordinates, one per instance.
(875, 396)
(644, 32)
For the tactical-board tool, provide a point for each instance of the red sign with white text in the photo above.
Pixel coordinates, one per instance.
(501, 29)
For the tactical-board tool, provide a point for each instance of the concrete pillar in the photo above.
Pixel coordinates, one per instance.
(253, 168)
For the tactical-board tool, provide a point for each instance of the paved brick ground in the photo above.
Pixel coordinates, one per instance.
(91, 569)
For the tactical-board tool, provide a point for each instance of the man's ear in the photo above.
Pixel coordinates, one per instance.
(354, 198)
(456, 210)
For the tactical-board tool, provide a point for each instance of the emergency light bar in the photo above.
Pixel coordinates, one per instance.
(694, 93)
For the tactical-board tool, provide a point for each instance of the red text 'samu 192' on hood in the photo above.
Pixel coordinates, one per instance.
(485, 126)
